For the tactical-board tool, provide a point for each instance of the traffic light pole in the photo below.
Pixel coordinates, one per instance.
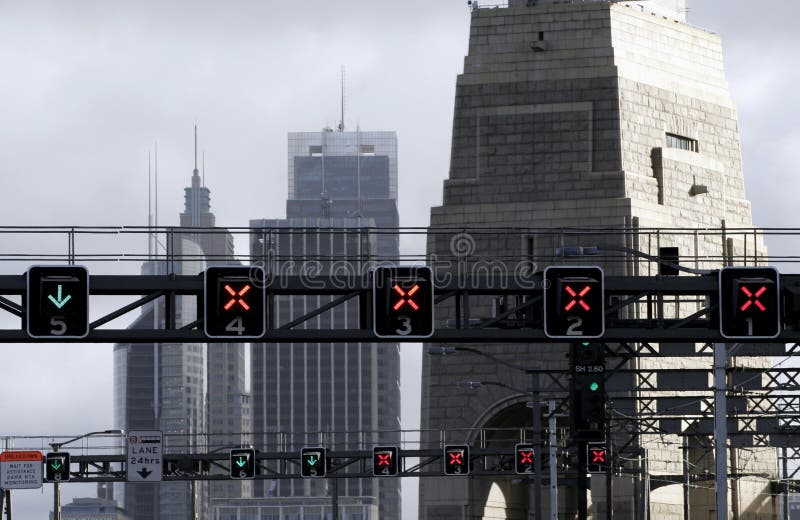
(609, 474)
(335, 499)
(537, 446)
(56, 490)
(583, 504)
(720, 431)
(551, 409)
(56, 501)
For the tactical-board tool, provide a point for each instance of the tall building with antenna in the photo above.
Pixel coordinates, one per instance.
(341, 214)
(194, 393)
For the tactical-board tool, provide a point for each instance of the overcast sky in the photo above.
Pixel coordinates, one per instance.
(87, 88)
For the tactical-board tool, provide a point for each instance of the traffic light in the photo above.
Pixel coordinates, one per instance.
(57, 303)
(523, 459)
(243, 463)
(234, 302)
(749, 302)
(385, 461)
(57, 467)
(573, 302)
(313, 462)
(456, 460)
(587, 390)
(597, 457)
(402, 302)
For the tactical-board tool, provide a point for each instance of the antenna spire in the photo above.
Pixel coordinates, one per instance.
(341, 121)
(195, 150)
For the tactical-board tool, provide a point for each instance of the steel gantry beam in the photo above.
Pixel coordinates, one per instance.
(517, 323)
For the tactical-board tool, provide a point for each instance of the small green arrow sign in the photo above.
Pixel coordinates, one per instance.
(312, 460)
(59, 302)
(56, 465)
(241, 462)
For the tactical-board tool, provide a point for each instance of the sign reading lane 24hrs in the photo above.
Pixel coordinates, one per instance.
(57, 301)
(144, 462)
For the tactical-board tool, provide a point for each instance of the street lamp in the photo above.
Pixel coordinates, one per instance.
(537, 417)
(56, 446)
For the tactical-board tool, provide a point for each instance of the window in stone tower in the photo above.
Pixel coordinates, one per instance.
(684, 143)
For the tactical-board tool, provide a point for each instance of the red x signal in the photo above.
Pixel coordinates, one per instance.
(598, 456)
(526, 457)
(455, 458)
(237, 297)
(405, 297)
(577, 297)
(752, 298)
(384, 459)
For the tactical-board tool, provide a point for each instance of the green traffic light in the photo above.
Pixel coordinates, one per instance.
(594, 386)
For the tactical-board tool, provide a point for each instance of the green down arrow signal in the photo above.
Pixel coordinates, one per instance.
(56, 465)
(241, 462)
(59, 302)
(312, 461)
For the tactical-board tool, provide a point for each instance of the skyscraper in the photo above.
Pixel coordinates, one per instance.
(594, 114)
(162, 386)
(185, 390)
(342, 191)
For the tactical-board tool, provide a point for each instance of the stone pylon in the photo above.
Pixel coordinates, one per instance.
(584, 115)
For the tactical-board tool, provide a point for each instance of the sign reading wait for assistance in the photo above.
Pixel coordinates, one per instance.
(21, 470)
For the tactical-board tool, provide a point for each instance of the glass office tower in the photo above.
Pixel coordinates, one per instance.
(342, 197)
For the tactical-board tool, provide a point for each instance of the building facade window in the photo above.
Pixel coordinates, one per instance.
(683, 143)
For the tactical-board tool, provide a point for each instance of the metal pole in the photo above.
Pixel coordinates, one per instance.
(335, 500)
(56, 490)
(537, 447)
(195, 515)
(8, 504)
(56, 501)
(645, 488)
(609, 475)
(582, 484)
(785, 484)
(720, 431)
(552, 441)
(687, 512)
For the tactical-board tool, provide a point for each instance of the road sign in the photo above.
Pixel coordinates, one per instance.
(313, 462)
(21, 470)
(597, 457)
(574, 302)
(385, 461)
(56, 467)
(57, 304)
(456, 460)
(144, 456)
(749, 302)
(402, 302)
(234, 302)
(243, 463)
(523, 459)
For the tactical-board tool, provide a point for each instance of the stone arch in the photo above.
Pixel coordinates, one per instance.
(501, 423)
